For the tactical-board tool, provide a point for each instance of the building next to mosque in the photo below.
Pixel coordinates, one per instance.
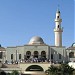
(38, 51)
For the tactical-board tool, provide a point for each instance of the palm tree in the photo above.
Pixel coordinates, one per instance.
(14, 72)
(52, 70)
(63, 69)
(66, 69)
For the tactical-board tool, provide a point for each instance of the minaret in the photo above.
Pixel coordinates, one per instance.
(58, 29)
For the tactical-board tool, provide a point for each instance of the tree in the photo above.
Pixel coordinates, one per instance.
(14, 72)
(63, 69)
(52, 70)
(66, 69)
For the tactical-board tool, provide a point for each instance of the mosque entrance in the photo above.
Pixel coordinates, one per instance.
(36, 54)
(34, 68)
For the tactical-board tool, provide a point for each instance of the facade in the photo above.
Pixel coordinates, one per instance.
(38, 51)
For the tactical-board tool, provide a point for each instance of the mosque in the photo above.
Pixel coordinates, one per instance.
(38, 51)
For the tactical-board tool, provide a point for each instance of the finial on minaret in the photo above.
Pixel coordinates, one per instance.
(58, 11)
(58, 6)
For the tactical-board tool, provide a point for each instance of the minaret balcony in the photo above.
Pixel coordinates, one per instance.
(58, 29)
(58, 20)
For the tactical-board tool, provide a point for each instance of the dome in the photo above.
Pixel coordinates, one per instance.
(73, 45)
(36, 40)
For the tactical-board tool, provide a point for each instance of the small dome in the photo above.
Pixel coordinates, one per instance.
(36, 40)
(73, 45)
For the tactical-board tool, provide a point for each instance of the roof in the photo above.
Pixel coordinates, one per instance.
(2, 49)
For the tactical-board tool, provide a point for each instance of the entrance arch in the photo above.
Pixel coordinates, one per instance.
(43, 54)
(34, 68)
(36, 54)
(28, 54)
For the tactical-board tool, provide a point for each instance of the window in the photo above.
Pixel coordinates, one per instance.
(57, 16)
(11, 56)
(28, 54)
(58, 26)
(1, 53)
(19, 56)
(43, 54)
(59, 56)
(36, 54)
(71, 54)
(51, 56)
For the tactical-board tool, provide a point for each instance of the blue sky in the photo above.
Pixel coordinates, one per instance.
(20, 20)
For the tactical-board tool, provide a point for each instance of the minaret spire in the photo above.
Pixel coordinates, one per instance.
(58, 7)
(58, 29)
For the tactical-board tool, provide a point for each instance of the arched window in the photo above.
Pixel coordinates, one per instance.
(57, 16)
(71, 54)
(19, 56)
(43, 54)
(28, 54)
(36, 54)
(58, 26)
(11, 56)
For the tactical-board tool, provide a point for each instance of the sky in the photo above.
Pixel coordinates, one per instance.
(20, 20)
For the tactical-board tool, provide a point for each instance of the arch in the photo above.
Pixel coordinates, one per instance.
(43, 54)
(34, 68)
(71, 54)
(28, 54)
(36, 54)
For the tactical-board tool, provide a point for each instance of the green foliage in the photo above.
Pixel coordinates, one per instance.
(14, 72)
(52, 70)
(63, 69)
(8, 74)
(66, 69)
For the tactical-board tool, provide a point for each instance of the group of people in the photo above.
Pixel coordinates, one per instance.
(29, 60)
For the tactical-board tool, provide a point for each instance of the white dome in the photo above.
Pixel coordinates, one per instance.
(36, 40)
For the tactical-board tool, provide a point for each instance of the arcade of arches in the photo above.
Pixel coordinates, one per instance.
(35, 54)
